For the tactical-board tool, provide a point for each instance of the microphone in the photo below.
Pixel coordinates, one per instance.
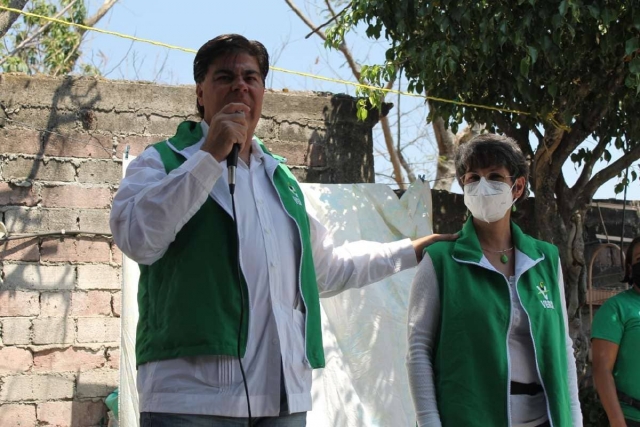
(232, 163)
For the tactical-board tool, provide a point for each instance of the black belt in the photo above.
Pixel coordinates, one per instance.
(628, 400)
(530, 389)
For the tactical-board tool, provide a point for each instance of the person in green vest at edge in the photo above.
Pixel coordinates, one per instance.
(488, 338)
(205, 301)
(615, 341)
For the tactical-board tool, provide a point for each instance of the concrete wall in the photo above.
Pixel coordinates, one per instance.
(61, 148)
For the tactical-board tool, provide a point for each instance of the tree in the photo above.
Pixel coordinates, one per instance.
(567, 73)
(32, 45)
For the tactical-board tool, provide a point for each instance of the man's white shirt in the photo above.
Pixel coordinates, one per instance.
(149, 210)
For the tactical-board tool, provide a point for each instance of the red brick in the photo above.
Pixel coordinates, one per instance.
(97, 383)
(113, 358)
(136, 143)
(75, 250)
(98, 330)
(53, 330)
(17, 415)
(76, 144)
(19, 304)
(92, 303)
(24, 220)
(100, 171)
(116, 303)
(19, 141)
(20, 250)
(16, 330)
(17, 388)
(36, 276)
(67, 359)
(116, 254)
(17, 196)
(74, 413)
(96, 220)
(98, 276)
(74, 196)
(14, 360)
(55, 304)
(52, 170)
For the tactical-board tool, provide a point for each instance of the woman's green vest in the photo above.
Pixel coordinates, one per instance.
(189, 300)
(471, 362)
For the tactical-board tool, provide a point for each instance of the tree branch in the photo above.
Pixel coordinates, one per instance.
(8, 18)
(26, 42)
(522, 138)
(330, 8)
(589, 164)
(609, 172)
(91, 22)
(355, 69)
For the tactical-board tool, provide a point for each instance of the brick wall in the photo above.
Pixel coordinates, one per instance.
(61, 148)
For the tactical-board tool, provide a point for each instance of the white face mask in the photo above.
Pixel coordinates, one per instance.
(488, 200)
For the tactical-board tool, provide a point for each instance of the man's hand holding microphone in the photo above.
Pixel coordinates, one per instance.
(228, 136)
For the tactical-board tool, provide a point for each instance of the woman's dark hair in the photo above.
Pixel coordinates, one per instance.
(629, 261)
(488, 150)
(224, 45)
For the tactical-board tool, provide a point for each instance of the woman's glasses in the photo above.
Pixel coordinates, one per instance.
(471, 177)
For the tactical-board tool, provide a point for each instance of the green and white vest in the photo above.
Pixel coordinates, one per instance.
(471, 361)
(189, 300)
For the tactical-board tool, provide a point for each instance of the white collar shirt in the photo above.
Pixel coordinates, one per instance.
(269, 257)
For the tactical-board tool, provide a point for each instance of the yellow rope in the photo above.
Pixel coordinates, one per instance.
(282, 70)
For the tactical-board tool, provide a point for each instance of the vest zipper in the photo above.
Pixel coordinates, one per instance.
(533, 340)
(306, 359)
(507, 338)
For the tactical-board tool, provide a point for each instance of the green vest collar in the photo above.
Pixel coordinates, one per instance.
(190, 133)
(467, 246)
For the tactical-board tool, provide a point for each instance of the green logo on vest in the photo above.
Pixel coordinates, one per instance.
(294, 193)
(543, 295)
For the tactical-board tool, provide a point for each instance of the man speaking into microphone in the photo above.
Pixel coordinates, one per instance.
(229, 314)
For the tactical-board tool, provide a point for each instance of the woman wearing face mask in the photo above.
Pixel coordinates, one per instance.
(487, 327)
(615, 343)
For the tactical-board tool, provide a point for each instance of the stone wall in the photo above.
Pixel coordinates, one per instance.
(61, 147)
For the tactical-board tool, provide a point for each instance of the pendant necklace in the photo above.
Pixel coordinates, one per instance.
(503, 254)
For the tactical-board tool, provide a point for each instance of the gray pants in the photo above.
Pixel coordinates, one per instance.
(157, 419)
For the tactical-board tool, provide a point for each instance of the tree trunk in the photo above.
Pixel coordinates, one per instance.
(447, 145)
(8, 18)
(563, 226)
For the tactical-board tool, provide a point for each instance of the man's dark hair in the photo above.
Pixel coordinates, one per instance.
(629, 260)
(488, 150)
(223, 45)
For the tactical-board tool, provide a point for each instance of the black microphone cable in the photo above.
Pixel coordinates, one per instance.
(232, 162)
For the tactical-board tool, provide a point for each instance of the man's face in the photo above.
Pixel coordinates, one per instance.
(232, 78)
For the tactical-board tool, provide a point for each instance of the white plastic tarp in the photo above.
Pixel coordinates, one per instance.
(364, 382)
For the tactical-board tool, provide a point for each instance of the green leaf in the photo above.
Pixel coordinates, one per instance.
(619, 188)
(524, 67)
(634, 65)
(607, 156)
(563, 7)
(533, 53)
(608, 16)
(631, 45)
(552, 89)
(557, 21)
